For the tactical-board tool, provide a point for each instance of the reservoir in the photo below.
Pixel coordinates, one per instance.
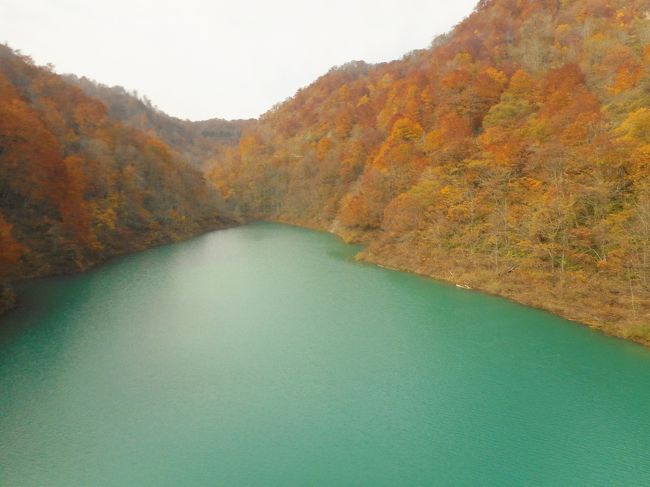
(266, 356)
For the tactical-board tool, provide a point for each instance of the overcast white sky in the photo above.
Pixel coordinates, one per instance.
(200, 59)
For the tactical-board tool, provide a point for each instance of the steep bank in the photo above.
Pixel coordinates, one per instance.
(570, 303)
(513, 155)
(567, 302)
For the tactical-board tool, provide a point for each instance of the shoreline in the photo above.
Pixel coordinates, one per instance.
(9, 299)
(610, 332)
(385, 262)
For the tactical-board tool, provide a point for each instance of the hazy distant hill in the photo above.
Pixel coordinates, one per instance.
(197, 142)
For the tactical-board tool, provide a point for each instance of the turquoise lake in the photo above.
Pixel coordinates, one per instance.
(266, 356)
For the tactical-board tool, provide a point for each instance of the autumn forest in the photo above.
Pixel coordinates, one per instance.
(511, 156)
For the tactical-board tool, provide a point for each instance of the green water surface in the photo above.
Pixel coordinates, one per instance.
(265, 356)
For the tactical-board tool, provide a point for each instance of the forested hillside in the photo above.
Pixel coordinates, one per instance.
(511, 156)
(77, 186)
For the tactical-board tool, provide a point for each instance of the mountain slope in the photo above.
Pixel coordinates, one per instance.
(511, 156)
(77, 187)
